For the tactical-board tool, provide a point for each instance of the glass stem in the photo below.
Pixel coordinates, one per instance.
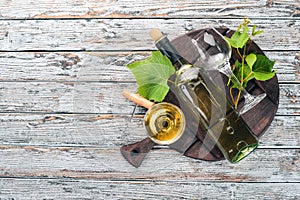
(250, 100)
(226, 69)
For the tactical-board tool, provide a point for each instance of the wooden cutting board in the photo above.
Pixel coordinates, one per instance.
(258, 118)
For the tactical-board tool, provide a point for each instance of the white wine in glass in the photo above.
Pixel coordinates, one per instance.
(165, 123)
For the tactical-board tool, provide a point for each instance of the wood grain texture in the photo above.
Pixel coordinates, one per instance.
(110, 131)
(148, 9)
(96, 97)
(142, 189)
(118, 34)
(273, 165)
(63, 120)
(105, 66)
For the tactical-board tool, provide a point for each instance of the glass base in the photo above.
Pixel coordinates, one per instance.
(251, 101)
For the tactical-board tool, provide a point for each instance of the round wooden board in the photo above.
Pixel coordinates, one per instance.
(258, 118)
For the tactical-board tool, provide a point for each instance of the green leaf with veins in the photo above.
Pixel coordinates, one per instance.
(257, 66)
(152, 76)
(250, 59)
(263, 68)
(239, 39)
(263, 76)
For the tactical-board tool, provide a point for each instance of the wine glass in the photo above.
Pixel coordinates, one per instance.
(215, 54)
(165, 124)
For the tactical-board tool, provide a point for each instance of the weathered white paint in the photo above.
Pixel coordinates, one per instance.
(148, 9)
(96, 97)
(46, 154)
(104, 66)
(118, 34)
(106, 131)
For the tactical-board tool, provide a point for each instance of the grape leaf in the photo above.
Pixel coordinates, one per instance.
(263, 68)
(263, 76)
(250, 59)
(254, 32)
(152, 75)
(257, 66)
(239, 39)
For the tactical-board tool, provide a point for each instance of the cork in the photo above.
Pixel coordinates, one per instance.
(136, 98)
(156, 34)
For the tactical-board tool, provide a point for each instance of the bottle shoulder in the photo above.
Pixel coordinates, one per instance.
(188, 73)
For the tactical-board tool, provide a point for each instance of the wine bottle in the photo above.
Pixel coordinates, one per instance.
(203, 101)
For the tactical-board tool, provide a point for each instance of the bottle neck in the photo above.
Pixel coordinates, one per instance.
(166, 48)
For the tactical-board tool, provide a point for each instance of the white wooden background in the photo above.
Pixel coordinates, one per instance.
(63, 119)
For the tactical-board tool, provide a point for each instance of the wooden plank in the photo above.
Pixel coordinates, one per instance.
(96, 97)
(103, 131)
(149, 9)
(142, 189)
(282, 127)
(104, 66)
(68, 66)
(128, 34)
(107, 131)
(289, 96)
(49, 155)
(69, 97)
(263, 165)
